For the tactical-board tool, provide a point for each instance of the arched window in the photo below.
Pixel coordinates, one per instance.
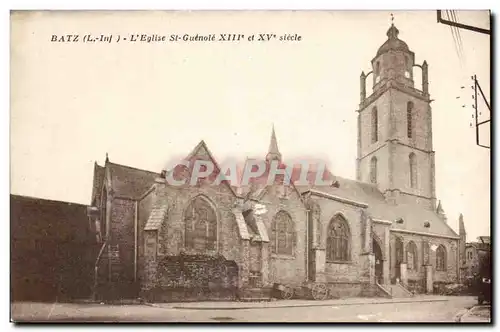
(441, 258)
(413, 170)
(411, 256)
(338, 240)
(374, 125)
(373, 170)
(409, 119)
(201, 225)
(283, 234)
(377, 69)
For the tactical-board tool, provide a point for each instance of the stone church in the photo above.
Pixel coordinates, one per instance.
(382, 234)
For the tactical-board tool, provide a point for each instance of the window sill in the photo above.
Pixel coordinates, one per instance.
(282, 256)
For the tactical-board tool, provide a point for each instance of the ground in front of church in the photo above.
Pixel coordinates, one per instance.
(417, 309)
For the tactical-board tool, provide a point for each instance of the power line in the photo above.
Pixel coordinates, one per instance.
(454, 17)
(461, 25)
(455, 42)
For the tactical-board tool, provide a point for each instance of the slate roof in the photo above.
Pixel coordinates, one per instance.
(156, 217)
(393, 42)
(130, 182)
(126, 181)
(413, 215)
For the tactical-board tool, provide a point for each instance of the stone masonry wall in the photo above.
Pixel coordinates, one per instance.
(122, 230)
(451, 245)
(351, 271)
(171, 236)
(286, 269)
(144, 209)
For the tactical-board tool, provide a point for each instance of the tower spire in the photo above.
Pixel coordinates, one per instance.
(461, 225)
(273, 153)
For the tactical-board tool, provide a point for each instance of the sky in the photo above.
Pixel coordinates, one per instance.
(146, 103)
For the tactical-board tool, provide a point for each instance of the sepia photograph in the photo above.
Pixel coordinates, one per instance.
(250, 166)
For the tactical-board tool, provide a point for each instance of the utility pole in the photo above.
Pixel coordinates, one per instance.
(477, 87)
(454, 23)
(441, 20)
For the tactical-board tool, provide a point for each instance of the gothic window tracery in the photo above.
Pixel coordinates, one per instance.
(283, 234)
(441, 258)
(201, 225)
(338, 240)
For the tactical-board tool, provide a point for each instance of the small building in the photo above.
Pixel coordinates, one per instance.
(53, 250)
(471, 263)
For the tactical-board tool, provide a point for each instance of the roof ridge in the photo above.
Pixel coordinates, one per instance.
(133, 168)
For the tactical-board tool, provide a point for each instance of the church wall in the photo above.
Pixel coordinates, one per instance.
(122, 230)
(282, 268)
(170, 237)
(401, 174)
(383, 108)
(180, 197)
(450, 275)
(382, 156)
(393, 64)
(352, 271)
(144, 209)
(231, 246)
(379, 230)
(421, 120)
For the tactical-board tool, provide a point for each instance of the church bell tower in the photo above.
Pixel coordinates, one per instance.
(395, 126)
